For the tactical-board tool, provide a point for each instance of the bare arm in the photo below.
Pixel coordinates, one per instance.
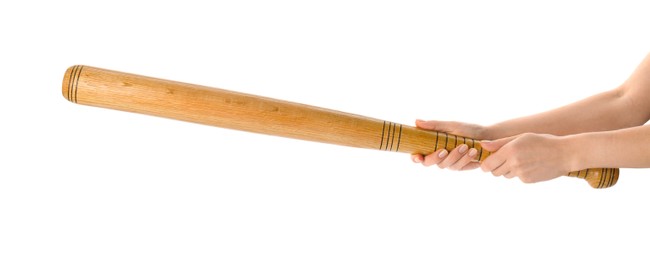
(625, 148)
(605, 130)
(540, 157)
(625, 106)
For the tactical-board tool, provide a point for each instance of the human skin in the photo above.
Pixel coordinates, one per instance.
(603, 130)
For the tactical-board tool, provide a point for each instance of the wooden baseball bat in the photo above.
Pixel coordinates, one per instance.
(222, 108)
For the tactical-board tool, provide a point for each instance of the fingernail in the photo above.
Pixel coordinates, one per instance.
(472, 152)
(443, 153)
(462, 149)
(417, 159)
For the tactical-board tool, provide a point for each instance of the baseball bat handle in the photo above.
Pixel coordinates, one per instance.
(228, 109)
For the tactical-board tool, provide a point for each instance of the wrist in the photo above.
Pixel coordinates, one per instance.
(492, 132)
(578, 151)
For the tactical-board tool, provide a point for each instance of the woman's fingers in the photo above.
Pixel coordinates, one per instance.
(471, 166)
(460, 158)
(435, 158)
(464, 160)
(454, 156)
(493, 163)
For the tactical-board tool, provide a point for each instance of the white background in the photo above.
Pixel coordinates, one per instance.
(80, 182)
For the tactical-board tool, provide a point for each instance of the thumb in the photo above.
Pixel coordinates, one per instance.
(440, 126)
(495, 145)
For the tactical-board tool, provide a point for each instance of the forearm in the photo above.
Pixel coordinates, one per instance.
(625, 106)
(624, 148)
(601, 112)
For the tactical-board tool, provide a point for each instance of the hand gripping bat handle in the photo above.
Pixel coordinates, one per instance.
(597, 178)
(228, 109)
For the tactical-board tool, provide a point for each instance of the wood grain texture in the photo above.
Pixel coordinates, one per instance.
(228, 109)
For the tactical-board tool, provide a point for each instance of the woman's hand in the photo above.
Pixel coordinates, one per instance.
(531, 157)
(460, 158)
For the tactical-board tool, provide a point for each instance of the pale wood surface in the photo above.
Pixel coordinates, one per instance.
(228, 109)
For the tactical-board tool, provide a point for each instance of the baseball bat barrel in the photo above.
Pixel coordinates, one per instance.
(228, 109)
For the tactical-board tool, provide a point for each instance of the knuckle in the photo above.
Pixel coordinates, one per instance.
(460, 164)
(428, 163)
(526, 179)
(446, 163)
(516, 162)
(432, 159)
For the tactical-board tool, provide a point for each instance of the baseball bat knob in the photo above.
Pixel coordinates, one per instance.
(598, 178)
